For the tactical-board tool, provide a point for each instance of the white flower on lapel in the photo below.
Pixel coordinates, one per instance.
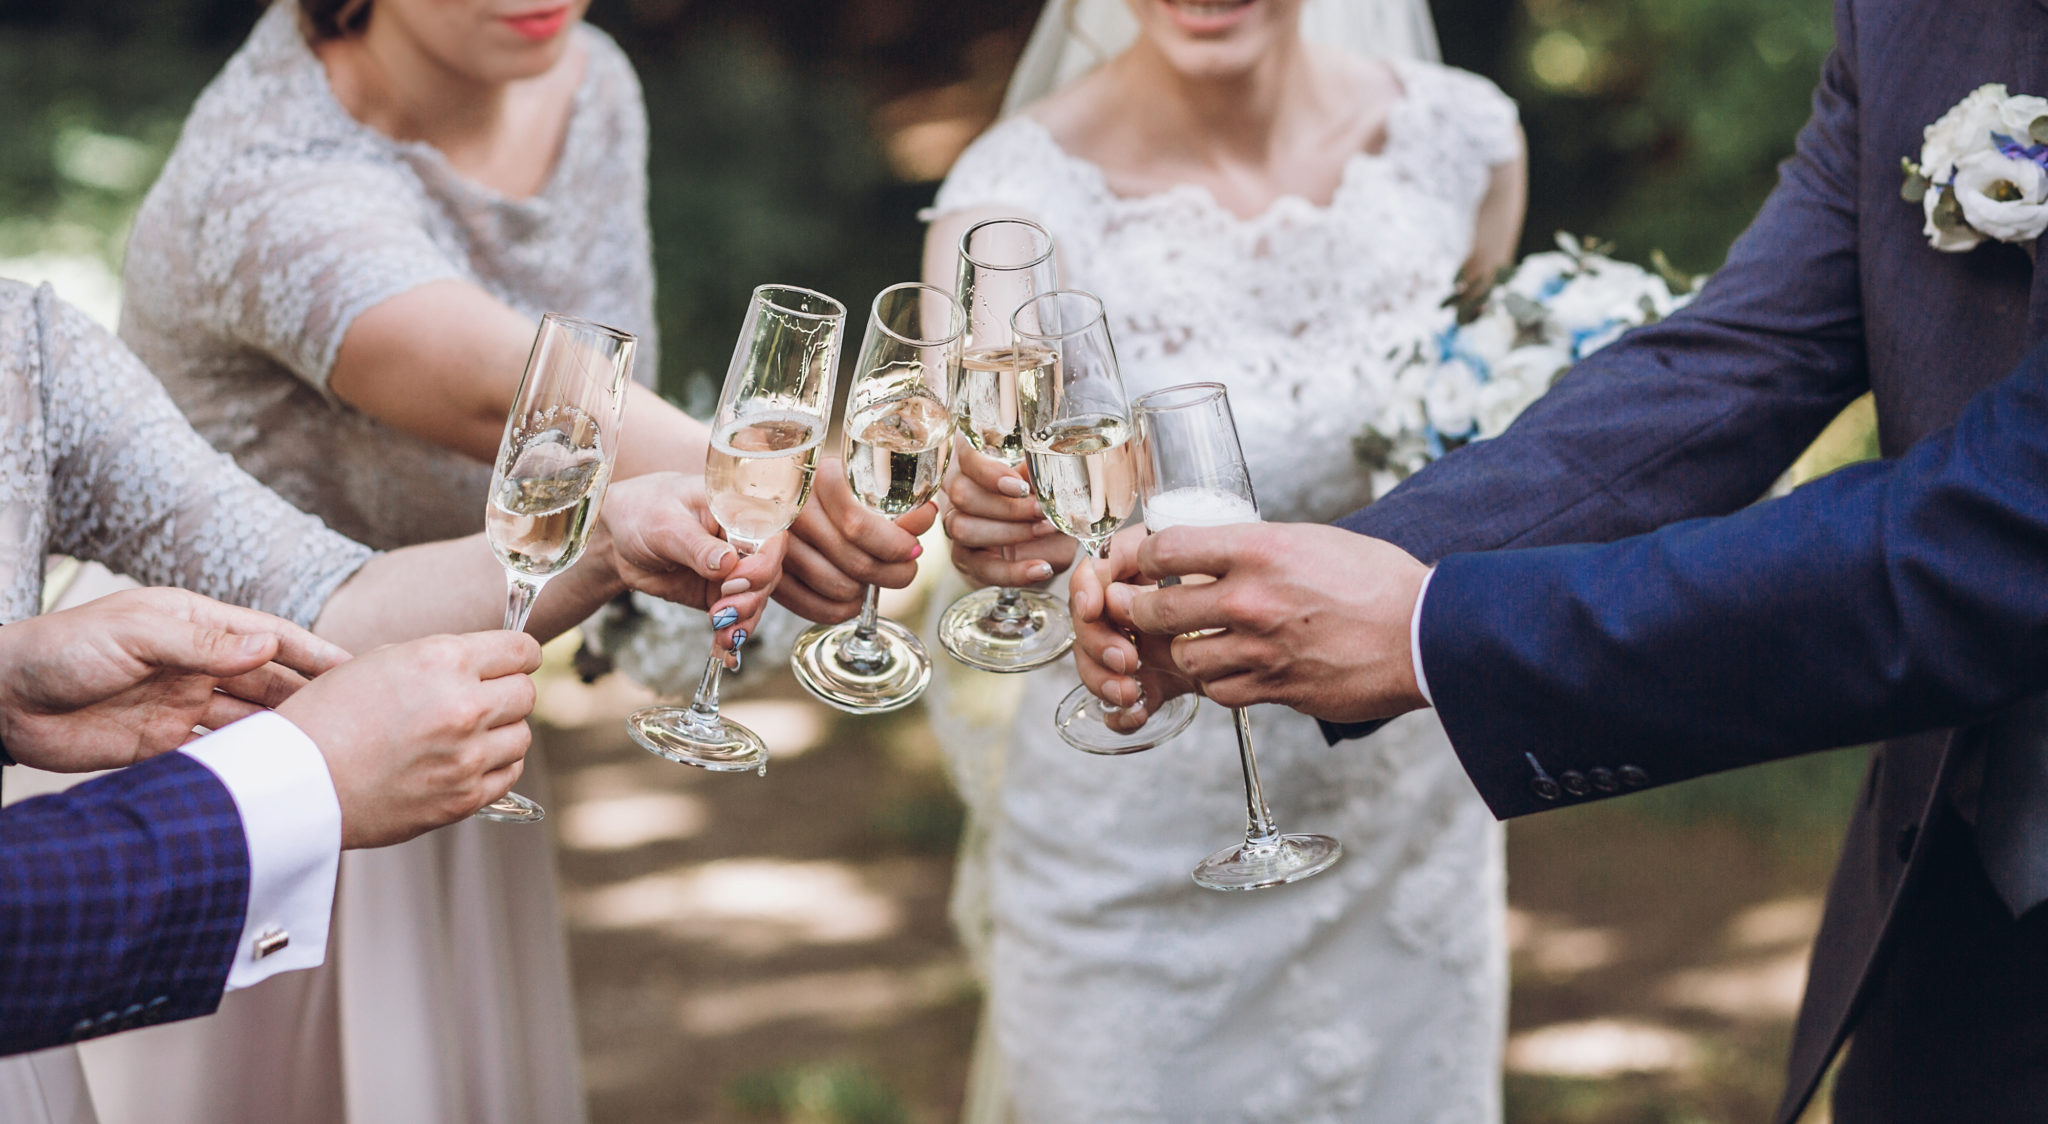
(2007, 199)
(1965, 129)
(1983, 171)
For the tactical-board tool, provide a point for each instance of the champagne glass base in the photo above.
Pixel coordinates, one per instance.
(512, 808)
(975, 633)
(676, 733)
(1080, 721)
(1248, 866)
(895, 679)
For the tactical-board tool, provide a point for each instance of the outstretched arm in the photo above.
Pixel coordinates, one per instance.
(1883, 600)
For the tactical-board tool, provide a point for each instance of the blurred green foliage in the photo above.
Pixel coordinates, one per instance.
(818, 1094)
(1654, 124)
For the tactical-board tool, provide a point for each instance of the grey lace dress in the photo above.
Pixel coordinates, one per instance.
(279, 219)
(96, 462)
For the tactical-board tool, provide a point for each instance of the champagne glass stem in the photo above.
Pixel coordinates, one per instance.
(1259, 830)
(704, 704)
(1006, 607)
(860, 650)
(520, 594)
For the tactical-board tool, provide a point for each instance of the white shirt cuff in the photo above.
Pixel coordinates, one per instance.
(291, 819)
(1415, 639)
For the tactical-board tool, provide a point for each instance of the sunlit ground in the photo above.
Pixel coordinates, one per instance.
(763, 949)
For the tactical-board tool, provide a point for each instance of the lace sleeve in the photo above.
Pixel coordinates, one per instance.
(993, 172)
(292, 247)
(1484, 120)
(134, 487)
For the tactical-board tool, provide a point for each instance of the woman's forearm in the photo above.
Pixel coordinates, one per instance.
(659, 437)
(453, 586)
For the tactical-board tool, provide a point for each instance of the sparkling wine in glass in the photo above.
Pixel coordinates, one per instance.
(561, 439)
(1192, 474)
(898, 434)
(764, 453)
(1077, 438)
(1003, 263)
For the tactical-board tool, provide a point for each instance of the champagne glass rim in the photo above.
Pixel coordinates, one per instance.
(1179, 397)
(767, 294)
(958, 321)
(1033, 263)
(583, 325)
(1100, 315)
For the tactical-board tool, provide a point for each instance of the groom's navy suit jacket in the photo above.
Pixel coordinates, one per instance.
(121, 903)
(1567, 677)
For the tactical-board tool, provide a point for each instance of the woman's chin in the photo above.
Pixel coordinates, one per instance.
(1215, 39)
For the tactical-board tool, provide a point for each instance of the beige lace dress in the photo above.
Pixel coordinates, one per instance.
(278, 220)
(1118, 990)
(96, 462)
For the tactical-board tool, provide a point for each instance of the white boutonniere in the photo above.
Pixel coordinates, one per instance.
(1983, 171)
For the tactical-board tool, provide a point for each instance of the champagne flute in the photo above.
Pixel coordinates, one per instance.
(764, 451)
(1192, 474)
(1077, 437)
(1003, 263)
(898, 435)
(561, 439)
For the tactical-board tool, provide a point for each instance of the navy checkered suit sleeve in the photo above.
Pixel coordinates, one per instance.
(121, 902)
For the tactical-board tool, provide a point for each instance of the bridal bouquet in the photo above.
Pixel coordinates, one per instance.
(1500, 348)
(1983, 171)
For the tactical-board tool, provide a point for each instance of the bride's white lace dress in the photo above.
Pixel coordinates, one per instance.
(1117, 989)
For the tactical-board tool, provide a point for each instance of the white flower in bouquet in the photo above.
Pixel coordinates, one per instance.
(1504, 348)
(1538, 277)
(1503, 400)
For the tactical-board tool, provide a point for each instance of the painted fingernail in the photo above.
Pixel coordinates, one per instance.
(725, 618)
(1013, 487)
(1040, 571)
(915, 551)
(739, 637)
(1115, 659)
(719, 560)
(733, 586)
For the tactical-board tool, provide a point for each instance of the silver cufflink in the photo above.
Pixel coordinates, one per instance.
(273, 940)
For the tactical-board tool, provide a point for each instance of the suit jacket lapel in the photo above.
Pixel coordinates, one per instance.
(2034, 76)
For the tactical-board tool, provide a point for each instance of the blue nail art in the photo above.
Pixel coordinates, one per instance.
(739, 637)
(725, 618)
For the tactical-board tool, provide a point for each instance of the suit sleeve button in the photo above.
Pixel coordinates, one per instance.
(1603, 779)
(1544, 787)
(1632, 777)
(1574, 782)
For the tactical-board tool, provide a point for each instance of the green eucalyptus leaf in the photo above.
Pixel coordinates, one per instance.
(1914, 190)
(1524, 310)
(1372, 448)
(2039, 130)
(1948, 211)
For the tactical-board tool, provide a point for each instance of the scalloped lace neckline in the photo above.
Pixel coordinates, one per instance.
(1286, 202)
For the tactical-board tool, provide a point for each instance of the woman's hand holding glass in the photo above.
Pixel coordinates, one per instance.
(999, 535)
(1078, 440)
(898, 434)
(658, 536)
(838, 547)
